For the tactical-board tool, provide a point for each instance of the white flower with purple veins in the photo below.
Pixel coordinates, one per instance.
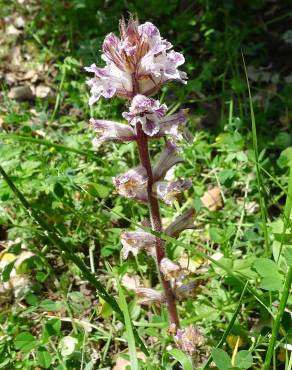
(141, 54)
(136, 241)
(112, 131)
(146, 111)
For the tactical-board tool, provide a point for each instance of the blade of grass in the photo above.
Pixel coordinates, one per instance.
(258, 172)
(286, 287)
(66, 252)
(230, 325)
(287, 212)
(48, 144)
(128, 325)
(182, 358)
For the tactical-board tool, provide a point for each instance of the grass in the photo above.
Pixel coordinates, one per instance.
(57, 200)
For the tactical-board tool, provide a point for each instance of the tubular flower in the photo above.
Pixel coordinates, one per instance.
(146, 111)
(170, 269)
(135, 241)
(112, 131)
(189, 339)
(181, 223)
(168, 191)
(151, 115)
(148, 296)
(132, 184)
(140, 52)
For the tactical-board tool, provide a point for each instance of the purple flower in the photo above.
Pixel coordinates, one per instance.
(170, 269)
(181, 223)
(151, 115)
(149, 296)
(140, 54)
(132, 184)
(136, 241)
(189, 339)
(168, 191)
(146, 111)
(109, 130)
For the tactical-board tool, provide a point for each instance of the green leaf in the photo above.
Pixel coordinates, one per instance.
(49, 305)
(243, 360)
(44, 357)
(53, 327)
(59, 190)
(221, 359)
(102, 190)
(265, 267)
(272, 282)
(25, 341)
(182, 358)
(7, 271)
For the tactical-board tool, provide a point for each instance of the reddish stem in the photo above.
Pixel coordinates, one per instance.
(156, 224)
(155, 218)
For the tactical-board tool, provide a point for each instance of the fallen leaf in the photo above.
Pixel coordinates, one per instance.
(121, 363)
(21, 93)
(212, 199)
(12, 30)
(19, 22)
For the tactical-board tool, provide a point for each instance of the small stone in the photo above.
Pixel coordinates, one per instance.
(21, 93)
(42, 91)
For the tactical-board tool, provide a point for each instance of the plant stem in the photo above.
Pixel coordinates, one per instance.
(154, 211)
(156, 224)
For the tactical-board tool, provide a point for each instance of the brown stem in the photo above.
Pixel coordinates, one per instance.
(156, 222)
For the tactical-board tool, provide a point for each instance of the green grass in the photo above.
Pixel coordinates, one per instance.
(57, 199)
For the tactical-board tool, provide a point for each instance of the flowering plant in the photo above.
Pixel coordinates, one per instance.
(137, 65)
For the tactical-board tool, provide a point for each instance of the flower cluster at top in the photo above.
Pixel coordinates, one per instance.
(140, 54)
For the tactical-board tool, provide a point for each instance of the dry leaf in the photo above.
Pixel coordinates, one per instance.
(212, 199)
(19, 22)
(189, 264)
(12, 30)
(30, 75)
(131, 282)
(21, 93)
(121, 363)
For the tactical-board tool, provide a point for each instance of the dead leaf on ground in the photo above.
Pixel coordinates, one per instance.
(21, 93)
(121, 363)
(212, 199)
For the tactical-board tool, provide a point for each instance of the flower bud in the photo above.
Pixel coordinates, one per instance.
(181, 223)
(167, 159)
